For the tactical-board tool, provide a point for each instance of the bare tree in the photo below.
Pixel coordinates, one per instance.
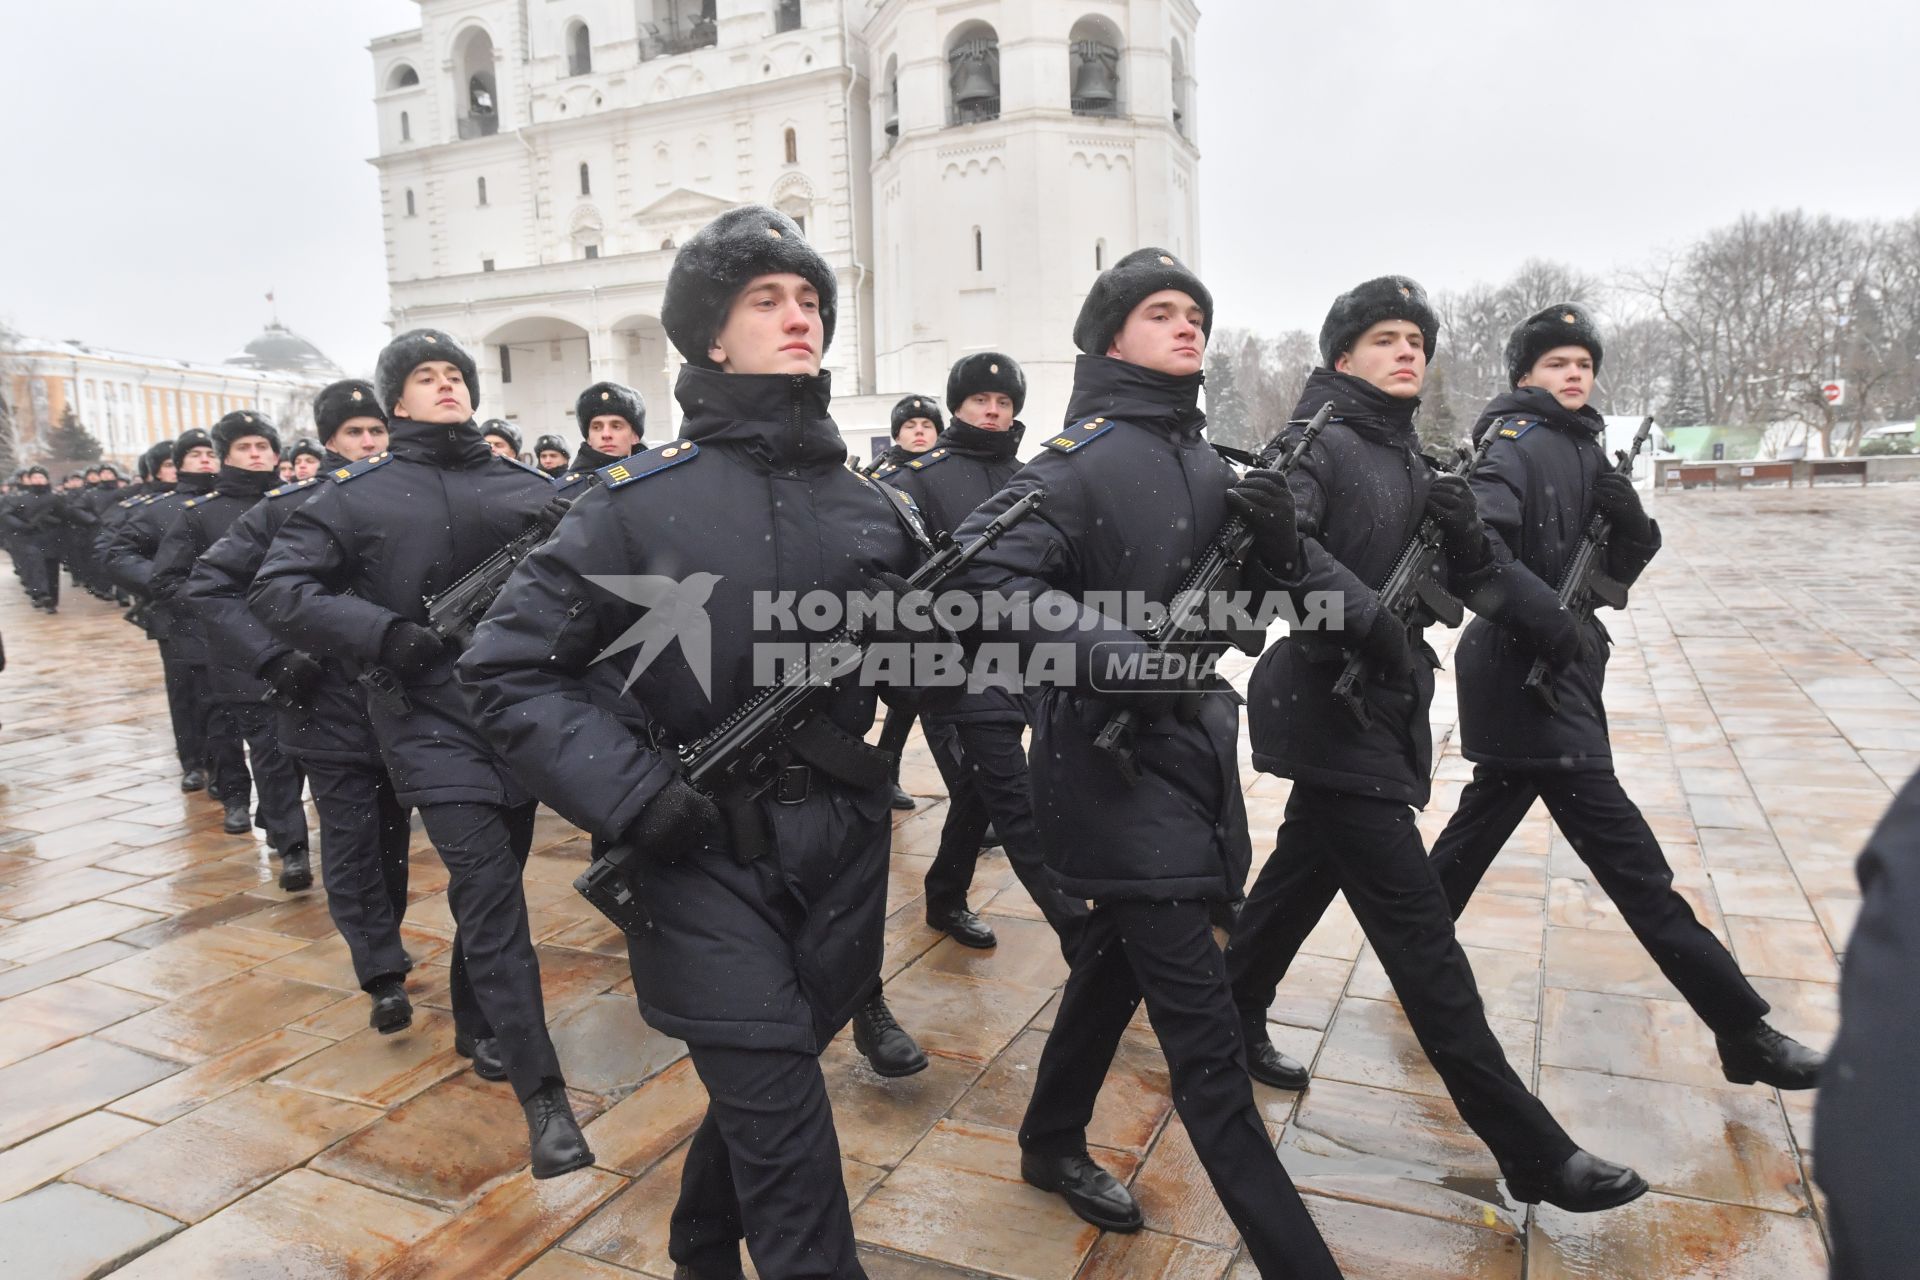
(9, 367)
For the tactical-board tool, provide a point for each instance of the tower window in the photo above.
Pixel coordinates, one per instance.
(786, 17)
(506, 363)
(1099, 255)
(586, 180)
(973, 74)
(406, 128)
(793, 147)
(480, 185)
(410, 210)
(979, 250)
(579, 50)
(592, 251)
(486, 264)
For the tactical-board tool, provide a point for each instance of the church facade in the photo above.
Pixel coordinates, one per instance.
(966, 167)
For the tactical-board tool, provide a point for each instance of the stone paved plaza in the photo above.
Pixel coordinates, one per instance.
(188, 1086)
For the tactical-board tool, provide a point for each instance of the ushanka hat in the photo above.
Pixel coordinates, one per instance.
(1366, 305)
(1564, 324)
(341, 402)
(724, 257)
(911, 407)
(411, 350)
(1124, 286)
(986, 371)
(603, 398)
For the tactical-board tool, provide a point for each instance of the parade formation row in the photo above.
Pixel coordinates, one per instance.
(416, 621)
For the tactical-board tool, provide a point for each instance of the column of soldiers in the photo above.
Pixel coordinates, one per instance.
(297, 613)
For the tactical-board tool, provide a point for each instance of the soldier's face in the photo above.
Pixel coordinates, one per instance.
(435, 392)
(1392, 355)
(358, 438)
(72, 482)
(253, 453)
(917, 435)
(774, 326)
(502, 447)
(1164, 333)
(1565, 371)
(552, 458)
(199, 461)
(166, 472)
(306, 467)
(987, 410)
(612, 435)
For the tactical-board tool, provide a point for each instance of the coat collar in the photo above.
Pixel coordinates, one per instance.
(780, 421)
(1105, 387)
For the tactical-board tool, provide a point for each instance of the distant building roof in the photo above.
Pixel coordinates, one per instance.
(280, 349)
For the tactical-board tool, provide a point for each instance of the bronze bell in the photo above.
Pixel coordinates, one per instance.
(974, 81)
(1093, 77)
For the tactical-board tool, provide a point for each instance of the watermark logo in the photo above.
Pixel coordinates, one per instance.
(674, 610)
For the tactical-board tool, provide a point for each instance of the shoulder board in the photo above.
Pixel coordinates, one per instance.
(905, 508)
(526, 467)
(191, 503)
(1079, 435)
(573, 479)
(931, 458)
(293, 486)
(652, 462)
(354, 470)
(135, 500)
(1514, 428)
(881, 473)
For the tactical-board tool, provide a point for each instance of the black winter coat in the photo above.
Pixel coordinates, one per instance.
(366, 551)
(1535, 493)
(1359, 494)
(965, 467)
(232, 670)
(35, 522)
(1134, 494)
(332, 724)
(755, 499)
(128, 549)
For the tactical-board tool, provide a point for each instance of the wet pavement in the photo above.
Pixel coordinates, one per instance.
(188, 1086)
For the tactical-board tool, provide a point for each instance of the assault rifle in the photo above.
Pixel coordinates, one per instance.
(455, 612)
(1186, 616)
(747, 753)
(1412, 584)
(1585, 585)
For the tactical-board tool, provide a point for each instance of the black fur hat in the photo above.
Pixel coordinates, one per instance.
(725, 256)
(341, 402)
(191, 438)
(986, 371)
(411, 350)
(505, 430)
(307, 448)
(555, 443)
(1124, 286)
(238, 425)
(1564, 324)
(610, 397)
(156, 454)
(1366, 305)
(911, 407)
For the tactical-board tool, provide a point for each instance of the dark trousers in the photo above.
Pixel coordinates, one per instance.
(1370, 850)
(1607, 830)
(281, 814)
(894, 732)
(40, 574)
(1164, 952)
(985, 769)
(226, 752)
(764, 1165)
(363, 846)
(188, 701)
(496, 975)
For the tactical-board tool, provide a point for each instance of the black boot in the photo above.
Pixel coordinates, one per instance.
(888, 1049)
(295, 872)
(238, 821)
(485, 1052)
(193, 780)
(682, 1271)
(1267, 1064)
(989, 839)
(1089, 1190)
(1584, 1184)
(553, 1135)
(1765, 1056)
(901, 800)
(963, 926)
(392, 1011)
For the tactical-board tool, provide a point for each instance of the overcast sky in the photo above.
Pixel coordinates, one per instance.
(164, 165)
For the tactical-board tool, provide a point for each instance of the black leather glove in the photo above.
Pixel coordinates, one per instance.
(1450, 503)
(410, 649)
(1564, 647)
(293, 675)
(1613, 493)
(1264, 501)
(553, 513)
(887, 624)
(1387, 646)
(674, 823)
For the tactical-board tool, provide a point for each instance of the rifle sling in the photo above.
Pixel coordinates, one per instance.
(838, 754)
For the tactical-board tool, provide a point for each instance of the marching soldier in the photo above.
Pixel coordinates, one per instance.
(308, 458)
(916, 425)
(1134, 495)
(502, 437)
(612, 421)
(550, 455)
(977, 738)
(249, 454)
(344, 581)
(36, 523)
(323, 726)
(1359, 494)
(766, 924)
(1546, 473)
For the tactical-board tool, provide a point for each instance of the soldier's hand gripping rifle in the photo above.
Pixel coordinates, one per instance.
(1412, 584)
(745, 755)
(1187, 615)
(1585, 585)
(455, 612)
